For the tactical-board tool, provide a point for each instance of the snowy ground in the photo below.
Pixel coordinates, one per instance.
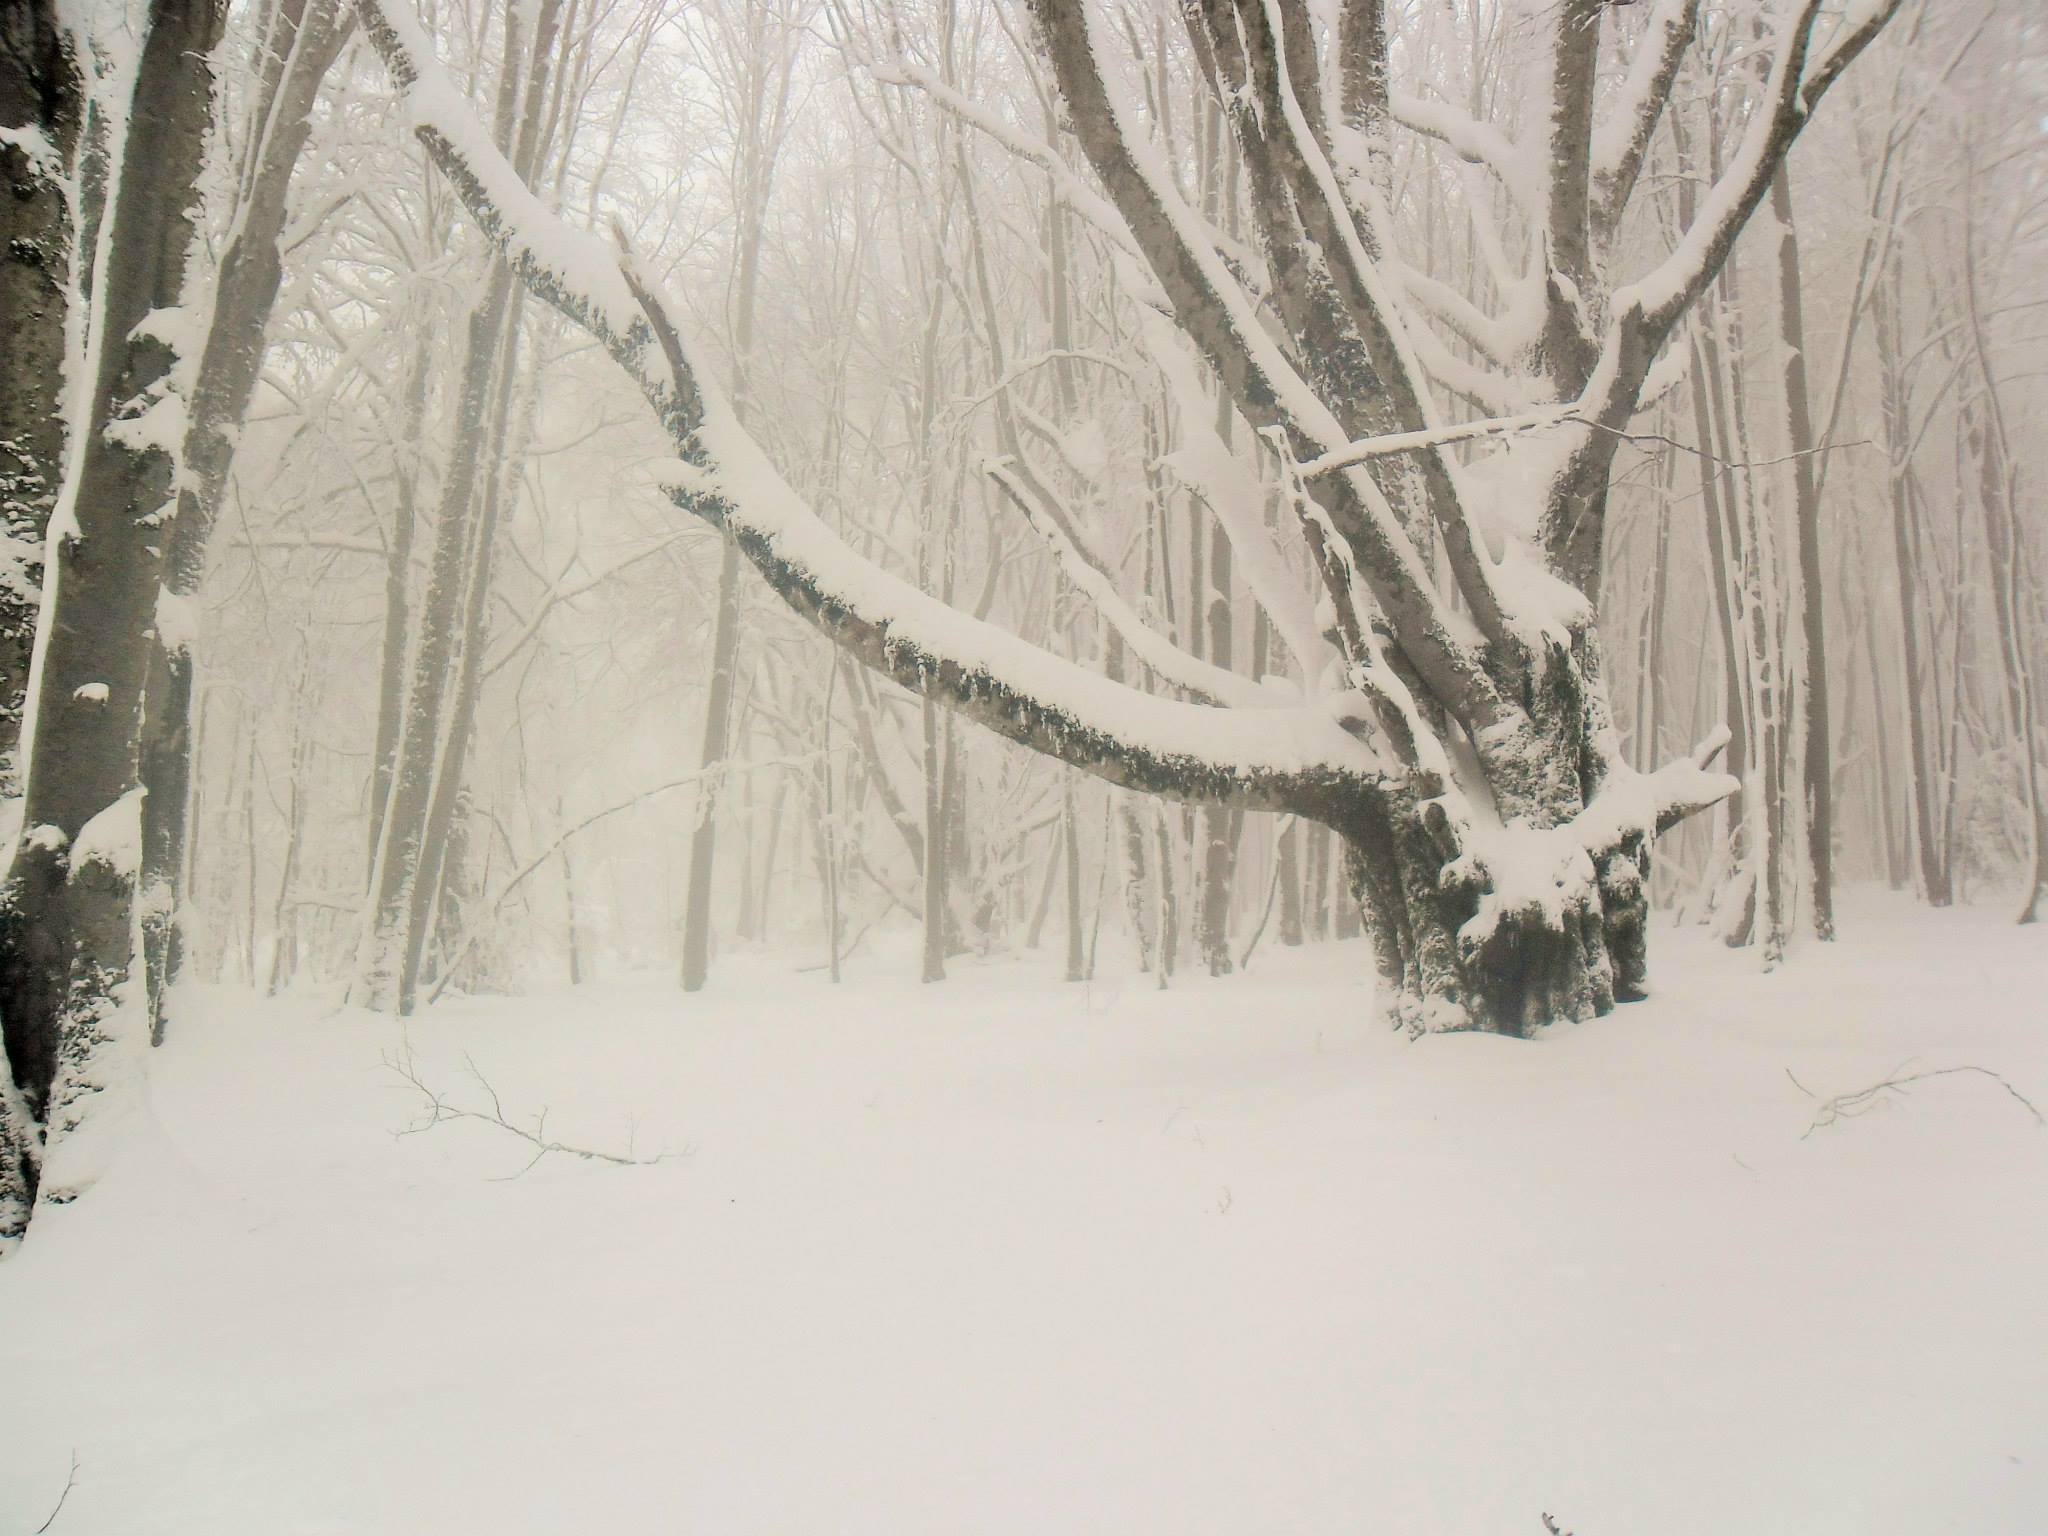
(1011, 1256)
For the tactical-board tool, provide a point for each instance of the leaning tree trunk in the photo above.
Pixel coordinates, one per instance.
(67, 909)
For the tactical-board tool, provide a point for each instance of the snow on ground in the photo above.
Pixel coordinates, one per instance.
(1012, 1256)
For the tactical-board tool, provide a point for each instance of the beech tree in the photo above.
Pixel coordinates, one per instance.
(1459, 738)
(67, 908)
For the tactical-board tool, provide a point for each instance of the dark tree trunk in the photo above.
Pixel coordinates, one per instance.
(397, 601)
(39, 101)
(66, 913)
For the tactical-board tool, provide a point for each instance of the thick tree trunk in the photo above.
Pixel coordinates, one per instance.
(67, 910)
(40, 106)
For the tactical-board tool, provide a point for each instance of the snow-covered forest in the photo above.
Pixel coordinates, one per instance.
(894, 765)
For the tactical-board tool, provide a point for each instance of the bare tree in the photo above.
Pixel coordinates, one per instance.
(1494, 835)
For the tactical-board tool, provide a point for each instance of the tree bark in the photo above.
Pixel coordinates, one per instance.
(67, 910)
(1817, 743)
(40, 101)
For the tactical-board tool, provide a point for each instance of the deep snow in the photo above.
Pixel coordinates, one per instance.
(1005, 1255)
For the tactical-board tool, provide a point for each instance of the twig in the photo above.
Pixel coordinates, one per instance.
(1716, 459)
(1846, 1106)
(70, 1482)
(439, 1110)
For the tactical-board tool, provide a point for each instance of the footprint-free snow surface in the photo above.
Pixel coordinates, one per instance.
(1008, 1255)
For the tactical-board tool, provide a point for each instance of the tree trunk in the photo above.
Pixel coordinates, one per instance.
(391, 673)
(40, 106)
(717, 721)
(67, 910)
(304, 40)
(1817, 745)
(1070, 836)
(407, 862)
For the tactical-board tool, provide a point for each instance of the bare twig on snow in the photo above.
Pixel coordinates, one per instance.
(439, 1109)
(1846, 1106)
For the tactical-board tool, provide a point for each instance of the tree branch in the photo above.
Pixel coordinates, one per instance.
(1284, 759)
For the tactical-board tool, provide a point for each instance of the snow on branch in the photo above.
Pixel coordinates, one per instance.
(1790, 93)
(1470, 140)
(1409, 442)
(1620, 144)
(1283, 758)
(1213, 309)
(1201, 679)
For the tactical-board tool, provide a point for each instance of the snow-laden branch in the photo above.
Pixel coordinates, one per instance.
(1204, 463)
(1620, 144)
(1281, 758)
(1410, 442)
(1470, 140)
(1203, 680)
(1798, 78)
(1216, 313)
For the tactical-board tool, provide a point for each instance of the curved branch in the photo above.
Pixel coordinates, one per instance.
(1791, 92)
(1277, 759)
(1215, 313)
(1472, 141)
(1203, 680)
(1618, 150)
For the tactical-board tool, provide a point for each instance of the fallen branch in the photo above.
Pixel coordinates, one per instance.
(70, 1482)
(1846, 1106)
(439, 1110)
